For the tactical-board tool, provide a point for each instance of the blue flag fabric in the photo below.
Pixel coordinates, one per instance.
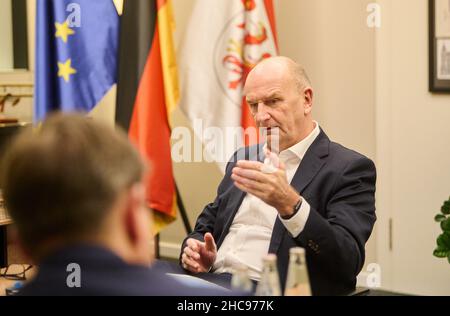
(76, 54)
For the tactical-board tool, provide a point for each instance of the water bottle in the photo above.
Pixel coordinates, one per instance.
(269, 285)
(240, 280)
(297, 283)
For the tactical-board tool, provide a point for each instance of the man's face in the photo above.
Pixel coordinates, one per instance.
(277, 104)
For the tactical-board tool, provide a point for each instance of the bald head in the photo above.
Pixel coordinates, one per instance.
(282, 65)
(280, 98)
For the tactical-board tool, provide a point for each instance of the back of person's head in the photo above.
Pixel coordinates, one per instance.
(63, 180)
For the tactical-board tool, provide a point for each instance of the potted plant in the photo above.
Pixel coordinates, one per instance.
(443, 241)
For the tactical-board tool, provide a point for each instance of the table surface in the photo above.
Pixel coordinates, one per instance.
(5, 283)
(224, 280)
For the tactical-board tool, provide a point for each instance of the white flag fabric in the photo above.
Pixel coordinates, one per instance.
(222, 43)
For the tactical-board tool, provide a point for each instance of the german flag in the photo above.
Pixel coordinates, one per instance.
(147, 94)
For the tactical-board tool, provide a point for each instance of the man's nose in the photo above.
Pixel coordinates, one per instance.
(262, 114)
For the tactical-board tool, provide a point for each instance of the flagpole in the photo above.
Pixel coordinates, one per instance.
(157, 248)
(184, 216)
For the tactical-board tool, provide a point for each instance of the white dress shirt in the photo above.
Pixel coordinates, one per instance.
(248, 239)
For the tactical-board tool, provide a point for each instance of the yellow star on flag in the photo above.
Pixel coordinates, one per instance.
(119, 6)
(63, 30)
(65, 70)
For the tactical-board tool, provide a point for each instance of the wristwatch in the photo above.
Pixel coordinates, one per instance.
(295, 209)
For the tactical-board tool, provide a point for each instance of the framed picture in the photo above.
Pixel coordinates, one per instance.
(439, 46)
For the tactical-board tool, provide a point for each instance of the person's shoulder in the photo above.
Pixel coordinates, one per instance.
(345, 152)
(346, 165)
(130, 281)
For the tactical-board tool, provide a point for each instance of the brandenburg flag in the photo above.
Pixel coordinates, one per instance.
(223, 41)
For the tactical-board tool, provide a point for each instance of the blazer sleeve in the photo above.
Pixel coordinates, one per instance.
(336, 242)
(207, 218)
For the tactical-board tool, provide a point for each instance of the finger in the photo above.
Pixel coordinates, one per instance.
(193, 244)
(272, 159)
(249, 164)
(275, 158)
(192, 254)
(250, 184)
(210, 245)
(250, 174)
(270, 154)
(242, 187)
(188, 263)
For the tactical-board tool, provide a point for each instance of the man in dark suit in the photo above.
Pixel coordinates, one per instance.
(75, 192)
(297, 189)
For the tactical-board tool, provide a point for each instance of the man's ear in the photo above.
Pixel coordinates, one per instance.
(308, 98)
(140, 225)
(134, 204)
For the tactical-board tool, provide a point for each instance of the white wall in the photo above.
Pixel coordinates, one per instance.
(413, 144)
(372, 95)
(6, 39)
(331, 39)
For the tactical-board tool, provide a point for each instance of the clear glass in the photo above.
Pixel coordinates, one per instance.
(297, 283)
(240, 280)
(269, 285)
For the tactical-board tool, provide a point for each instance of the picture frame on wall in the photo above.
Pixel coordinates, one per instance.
(439, 46)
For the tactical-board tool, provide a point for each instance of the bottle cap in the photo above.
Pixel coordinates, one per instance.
(297, 251)
(240, 267)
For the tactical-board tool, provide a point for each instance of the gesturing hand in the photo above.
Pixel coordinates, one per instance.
(199, 256)
(268, 183)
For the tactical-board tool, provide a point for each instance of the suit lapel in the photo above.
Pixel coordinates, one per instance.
(277, 235)
(310, 165)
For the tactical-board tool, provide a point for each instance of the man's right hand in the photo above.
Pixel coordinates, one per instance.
(199, 256)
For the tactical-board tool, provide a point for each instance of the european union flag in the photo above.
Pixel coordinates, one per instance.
(76, 54)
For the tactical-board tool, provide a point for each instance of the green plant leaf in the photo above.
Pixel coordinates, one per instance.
(440, 253)
(443, 242)
(445, 225)
(445, 209)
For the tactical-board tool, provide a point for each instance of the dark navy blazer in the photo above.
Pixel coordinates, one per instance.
(339, 185)
(104, 273)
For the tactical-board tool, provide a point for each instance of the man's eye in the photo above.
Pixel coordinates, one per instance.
(271, 101)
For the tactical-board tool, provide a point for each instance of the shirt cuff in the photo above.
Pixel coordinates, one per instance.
(296, 223)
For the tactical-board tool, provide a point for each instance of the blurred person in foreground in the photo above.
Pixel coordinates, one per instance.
(75, 191)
